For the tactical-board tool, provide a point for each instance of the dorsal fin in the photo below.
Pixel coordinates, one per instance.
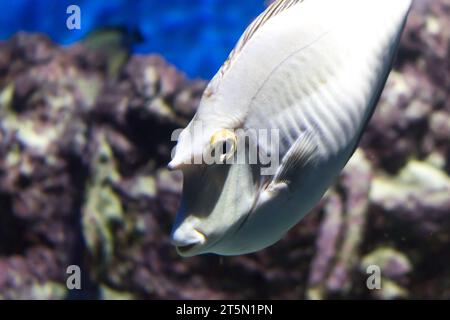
(274, 9)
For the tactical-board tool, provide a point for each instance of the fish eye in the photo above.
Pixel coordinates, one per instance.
(223, 148)
(223, 144)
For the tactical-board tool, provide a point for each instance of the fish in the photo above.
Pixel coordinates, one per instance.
(279, 121)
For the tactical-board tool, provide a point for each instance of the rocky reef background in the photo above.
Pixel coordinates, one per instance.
(85, 134)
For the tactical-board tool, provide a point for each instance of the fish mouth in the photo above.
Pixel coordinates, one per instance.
(184, 250)
(186, 246)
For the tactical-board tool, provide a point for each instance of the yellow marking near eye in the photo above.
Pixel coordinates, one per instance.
(223, 136)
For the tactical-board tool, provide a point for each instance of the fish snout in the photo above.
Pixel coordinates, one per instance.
(186, 237)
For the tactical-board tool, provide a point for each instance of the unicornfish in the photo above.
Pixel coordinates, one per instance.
(280, 120)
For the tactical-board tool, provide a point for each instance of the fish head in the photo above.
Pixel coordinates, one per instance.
(218, 193)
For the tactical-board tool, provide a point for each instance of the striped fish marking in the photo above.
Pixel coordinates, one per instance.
(313, 76)
(273, 10)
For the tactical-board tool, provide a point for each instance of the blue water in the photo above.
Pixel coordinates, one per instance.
(195, 35)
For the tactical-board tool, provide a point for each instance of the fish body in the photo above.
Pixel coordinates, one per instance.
(310, 70)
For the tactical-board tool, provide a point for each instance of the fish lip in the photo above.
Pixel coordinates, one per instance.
(191, 250)
(186, 250)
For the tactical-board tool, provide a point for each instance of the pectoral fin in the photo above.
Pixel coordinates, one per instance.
(302, 153)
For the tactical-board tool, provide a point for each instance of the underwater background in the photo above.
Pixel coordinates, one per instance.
(196, 36)
(86, 118)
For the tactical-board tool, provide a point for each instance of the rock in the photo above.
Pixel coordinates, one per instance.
(418, 195)
(341, 233)
(394, 264)
(85, 137)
